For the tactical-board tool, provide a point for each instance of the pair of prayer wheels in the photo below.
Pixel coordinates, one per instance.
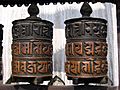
(86, 48)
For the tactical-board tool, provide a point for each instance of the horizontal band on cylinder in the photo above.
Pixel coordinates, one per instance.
(85, 58)
(33, 58)
(37, 68)
(36, 76)
(31, 48)
(86, 77)
(86, 48)
(28, 29)
(86, 68)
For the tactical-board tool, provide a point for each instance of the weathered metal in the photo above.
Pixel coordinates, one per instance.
(1, 48)
(86, 48)
(32, 48)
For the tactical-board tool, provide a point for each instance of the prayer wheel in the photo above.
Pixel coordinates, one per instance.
(32, 48)
(1, 47)
(86, 48)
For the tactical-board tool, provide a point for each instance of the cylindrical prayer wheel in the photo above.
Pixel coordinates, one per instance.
(86, 48)
(1, 48)
(32, 48)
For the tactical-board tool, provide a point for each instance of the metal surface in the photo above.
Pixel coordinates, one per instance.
(86, 48)
(32, 48)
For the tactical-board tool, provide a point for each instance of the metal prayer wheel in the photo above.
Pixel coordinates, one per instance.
(1, 48)
(32, 48)
(86, 48)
